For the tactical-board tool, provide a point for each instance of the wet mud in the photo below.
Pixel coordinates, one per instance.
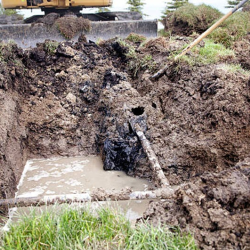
(73, 175)
(79, 99)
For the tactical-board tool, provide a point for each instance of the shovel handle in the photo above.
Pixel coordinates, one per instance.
(239, 5)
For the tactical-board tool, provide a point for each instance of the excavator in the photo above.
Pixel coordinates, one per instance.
(104, 25)
(55, 4)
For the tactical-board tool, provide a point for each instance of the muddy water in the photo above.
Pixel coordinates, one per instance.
(76, 175)
(73, 175)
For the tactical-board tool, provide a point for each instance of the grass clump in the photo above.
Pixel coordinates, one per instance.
(209, 54)
(222, 36)
(80, 229)
(198, 17)
(136, 38)
(10, 12)
(164, 33)
(69, 26)
(136, 61)
(51, 46)
(8, 52)
(238, 25)
(233, 29)
(191, 18)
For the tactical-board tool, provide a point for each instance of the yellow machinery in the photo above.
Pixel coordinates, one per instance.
(57, 4)
(104, 25)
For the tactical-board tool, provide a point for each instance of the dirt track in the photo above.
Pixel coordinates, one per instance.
(78, 101)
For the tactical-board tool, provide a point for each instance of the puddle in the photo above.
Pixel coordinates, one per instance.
(72, 176)
(76, 175)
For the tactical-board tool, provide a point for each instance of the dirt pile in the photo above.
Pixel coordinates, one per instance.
(190, 18)
(78, 99)
(204, 125)
(242, 50)
(215, 208)
(68, 25)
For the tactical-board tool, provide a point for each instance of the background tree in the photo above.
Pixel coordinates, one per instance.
(1, 9)
(136, 6)
(172, 6)
(7, 12)
(102, 9)
(232, 4)
(175, 4)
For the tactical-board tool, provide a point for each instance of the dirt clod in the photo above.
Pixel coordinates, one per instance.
(69, 26)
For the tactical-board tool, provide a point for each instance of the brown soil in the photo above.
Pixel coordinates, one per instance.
(215, 208)
(80, 99)
(68, 25)
(242, 50)
(197, 20)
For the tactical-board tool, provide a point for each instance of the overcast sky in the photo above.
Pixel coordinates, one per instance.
(154, 8)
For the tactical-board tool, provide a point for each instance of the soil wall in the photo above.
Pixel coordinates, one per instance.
(13, 153)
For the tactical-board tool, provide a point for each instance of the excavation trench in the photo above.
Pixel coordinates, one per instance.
(82, 179)
(82, 99)
(84, 106)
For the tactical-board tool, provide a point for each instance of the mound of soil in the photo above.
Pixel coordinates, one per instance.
(215, 208)
(69, 26)
(242, 51)
(80, 99)
(190, 19)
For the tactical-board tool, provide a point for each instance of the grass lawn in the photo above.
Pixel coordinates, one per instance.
(106, 228)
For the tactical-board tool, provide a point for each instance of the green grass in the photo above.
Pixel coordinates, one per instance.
(68, 228)
(198, 17)
(137, 62)
(209, 54)
(234, 68)
(233, 29)
(51, 46)
(136, 38)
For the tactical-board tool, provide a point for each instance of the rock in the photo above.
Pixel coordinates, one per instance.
(71, 98)
(66, 50)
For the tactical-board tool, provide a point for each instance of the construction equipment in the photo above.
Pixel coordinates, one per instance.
(112, 24)
(55, 4)
(74, 6)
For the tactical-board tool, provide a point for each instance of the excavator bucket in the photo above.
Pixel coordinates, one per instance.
(29, 34)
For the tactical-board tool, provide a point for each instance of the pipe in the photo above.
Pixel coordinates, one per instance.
(100, 195)
(159, 177)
